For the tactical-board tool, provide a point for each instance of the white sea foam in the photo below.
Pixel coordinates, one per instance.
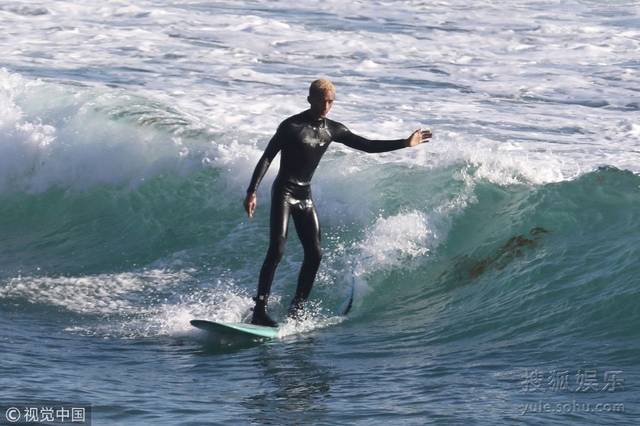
(92, 294)
(556, 88)
(223, 301)
(393, 238)
(396, 242)
(76, 138)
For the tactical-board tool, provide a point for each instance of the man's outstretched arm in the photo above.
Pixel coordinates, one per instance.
(345, 136)
(273, 147)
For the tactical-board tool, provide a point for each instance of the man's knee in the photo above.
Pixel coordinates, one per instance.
(314, 255)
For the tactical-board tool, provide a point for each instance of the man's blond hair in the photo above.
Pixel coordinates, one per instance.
(321, 86)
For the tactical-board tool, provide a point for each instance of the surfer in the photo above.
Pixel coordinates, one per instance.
(302, 140)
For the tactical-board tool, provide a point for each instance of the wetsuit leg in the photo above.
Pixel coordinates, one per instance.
(279, 222)
(308, 229)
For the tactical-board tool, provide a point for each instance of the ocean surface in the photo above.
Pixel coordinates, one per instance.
(495, 269)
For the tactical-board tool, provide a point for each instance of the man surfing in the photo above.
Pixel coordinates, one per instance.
(302, 140)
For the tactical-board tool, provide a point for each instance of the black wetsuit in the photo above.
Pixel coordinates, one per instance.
(302, 141)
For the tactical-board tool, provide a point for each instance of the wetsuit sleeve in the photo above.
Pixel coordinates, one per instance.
(343, 135)
(273, 147)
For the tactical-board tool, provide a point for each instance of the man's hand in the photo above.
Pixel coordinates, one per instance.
(250, 203)
(418, 137)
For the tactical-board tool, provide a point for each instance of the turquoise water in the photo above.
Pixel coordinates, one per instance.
(495, 268)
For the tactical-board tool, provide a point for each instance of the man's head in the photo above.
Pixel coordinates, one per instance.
(322, 93)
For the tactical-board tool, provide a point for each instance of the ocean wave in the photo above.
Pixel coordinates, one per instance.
(501, 252)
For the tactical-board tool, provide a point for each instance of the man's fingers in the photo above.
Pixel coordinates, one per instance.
(250, 204)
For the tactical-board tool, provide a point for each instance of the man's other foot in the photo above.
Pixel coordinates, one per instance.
(296, 310)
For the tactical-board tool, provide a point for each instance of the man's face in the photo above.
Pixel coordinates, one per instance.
(321, 103)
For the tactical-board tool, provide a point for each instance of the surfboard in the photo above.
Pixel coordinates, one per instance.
(236, 329)
(230, 331)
